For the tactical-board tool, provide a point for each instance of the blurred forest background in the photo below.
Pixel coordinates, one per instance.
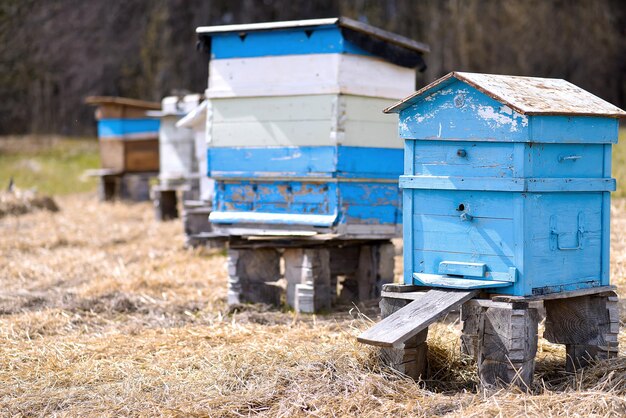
(53, 53)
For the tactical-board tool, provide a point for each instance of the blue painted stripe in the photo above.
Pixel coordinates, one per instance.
(340, 162)
(320, 40)
(282, 161)
(370, 162)
(569, 129)
(111, 128)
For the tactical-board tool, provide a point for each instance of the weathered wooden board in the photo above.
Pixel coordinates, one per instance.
(556, 295)
(120, 107)
(141, 155)
(587, 325)
(507, 345)
(415, 317)
(130, 156)
(410, 359)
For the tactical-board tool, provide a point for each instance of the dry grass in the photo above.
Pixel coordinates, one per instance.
(102, 312)
(19, 202)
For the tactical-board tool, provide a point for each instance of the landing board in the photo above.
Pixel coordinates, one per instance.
(415, 317)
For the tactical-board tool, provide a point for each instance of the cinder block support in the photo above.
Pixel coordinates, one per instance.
(587, 325)
(411, 359)
(165, 204)
(375, 267)
(386, 262)
(507, 345)
(307, 271)
(344, 261)
(252, 276)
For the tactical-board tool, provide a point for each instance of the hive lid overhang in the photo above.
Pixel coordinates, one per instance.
(123, 101)
(342, 22)
(392, 47)
(526, 95)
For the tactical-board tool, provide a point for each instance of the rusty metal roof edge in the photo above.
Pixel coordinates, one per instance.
(397, 107)
(341, 21)
(98, 100)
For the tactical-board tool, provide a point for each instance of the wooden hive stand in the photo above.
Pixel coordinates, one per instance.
(499, 331)
(115, 184)
(312, 272)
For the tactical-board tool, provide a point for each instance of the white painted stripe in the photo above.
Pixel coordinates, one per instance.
(324, 120)
(309, 74)
(272, 218)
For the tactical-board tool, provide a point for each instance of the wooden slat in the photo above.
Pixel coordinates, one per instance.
(557, 295)
(401, 287)
(415, 317)
(122, 101)
(403, 295)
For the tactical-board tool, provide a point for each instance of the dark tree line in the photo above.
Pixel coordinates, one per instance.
(53, 53)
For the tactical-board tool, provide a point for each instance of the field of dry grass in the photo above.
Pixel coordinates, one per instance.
(104, 313)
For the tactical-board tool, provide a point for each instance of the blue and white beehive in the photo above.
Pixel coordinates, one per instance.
(506, 184)
(297, 142)
(128, 136)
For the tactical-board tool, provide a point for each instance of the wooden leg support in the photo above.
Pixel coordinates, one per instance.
(252, 276)
(507, 344)
(107, 187)
(587, 325)
(412, 358)
(470, 317)
(307, 271)
(135, 187)
(165, 204)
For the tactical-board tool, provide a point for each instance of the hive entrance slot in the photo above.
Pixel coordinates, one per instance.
(461, 207)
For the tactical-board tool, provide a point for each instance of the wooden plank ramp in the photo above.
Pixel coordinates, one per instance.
(415, 317)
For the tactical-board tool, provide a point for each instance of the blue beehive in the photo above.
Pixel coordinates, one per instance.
(296, 139)
(507, 184)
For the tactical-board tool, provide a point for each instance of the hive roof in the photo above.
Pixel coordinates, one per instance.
(526, 95)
